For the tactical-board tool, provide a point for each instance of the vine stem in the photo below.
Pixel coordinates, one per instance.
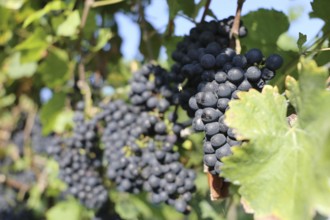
(207, 5)
(14, 183)
(234, 32)
(82, 84)
(145, 33)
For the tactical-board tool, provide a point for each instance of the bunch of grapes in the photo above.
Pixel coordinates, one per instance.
(224, 75)
(206, 38)
(80, 160)
(151, 88)
(12, 207)
(141, 156)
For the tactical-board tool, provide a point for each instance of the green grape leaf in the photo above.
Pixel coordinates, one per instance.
(292, 91)
(7, 100)
(301, 40)
(320, 10)
(34, 47)
(283, 170)
(63, 120)
(103, 37)
(259, 22)
(55, 68)
(51, 111)
(15, 69)
(151, 42)
(51, 6)
(70, 26)
(70, 209)
(12, 4)
(187, 7)
(174, 8)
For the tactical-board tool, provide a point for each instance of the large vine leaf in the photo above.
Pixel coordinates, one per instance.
(283, 170)
(55, 69)
(260, 22)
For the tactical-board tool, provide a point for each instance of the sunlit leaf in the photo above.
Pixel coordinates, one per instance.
(12, 4)
(70, 25)
(301, 40)
(15, 69)
(54, 69)
(51, 6)
(103, 37)
(283, 171)
(65, 210)
(49, 114)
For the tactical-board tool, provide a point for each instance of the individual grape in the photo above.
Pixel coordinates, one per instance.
(208, 61)
(207, 148)
(160, 127)
(206, 99)
(224, 91)
(163, 105)
(198, 124)
(222, 104)
(212, 128)
(254, 56)
(221, 59)
(210, 160)
(223, 151)
(217, 167)
(267, 74)
(220, 77)
(239, 61)
(244, 86)
(193, 103)
(180, 205)
(253, 73)
(210, 114)
(274, 62)
(235, 75)
(218, 140)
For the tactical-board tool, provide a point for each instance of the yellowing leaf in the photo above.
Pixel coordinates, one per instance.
(283, 171)
(16, 69)
(70, 25)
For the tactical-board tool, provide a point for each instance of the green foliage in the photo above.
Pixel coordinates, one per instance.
(301, 40)
(55, 68)
(69, 27)
(50, 113)
(16, 69)
(287, 159)
(259, 23)
(70, 209)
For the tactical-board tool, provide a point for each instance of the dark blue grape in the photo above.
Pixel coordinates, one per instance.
(210, 160)
(254, 56)
(218, 140)
(208, 61)
(274, 62)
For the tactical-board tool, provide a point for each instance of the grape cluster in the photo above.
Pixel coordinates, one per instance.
(151, 89)
(11, 207)
(124, 125)
(207, 38)
(166, 178)
(84, 181)
(223, 76)
(40, 142)
(141, 156)
(80, 161)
